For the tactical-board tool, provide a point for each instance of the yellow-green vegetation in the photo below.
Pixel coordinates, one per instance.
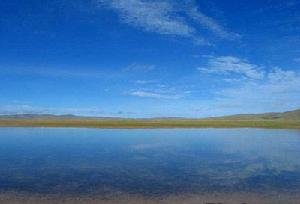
(151, 123)
(284, 120)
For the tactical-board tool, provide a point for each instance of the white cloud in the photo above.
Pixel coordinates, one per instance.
(211, 24)
(297, 59)
(147, 94)
(136, 67)
(144, 82)
(279, 91)
(278, 75)
(232, 80)
(158, 90)
(59, 72)
(155, 16)
(167, 18)
(232, 65)
(69, 72)
(251, 88)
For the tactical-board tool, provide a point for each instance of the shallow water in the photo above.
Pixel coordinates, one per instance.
(150, 162)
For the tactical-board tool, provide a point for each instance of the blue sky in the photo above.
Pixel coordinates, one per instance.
(149, 58)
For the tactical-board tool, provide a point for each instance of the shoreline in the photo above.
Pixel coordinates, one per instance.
(153, 124)
(224, 198)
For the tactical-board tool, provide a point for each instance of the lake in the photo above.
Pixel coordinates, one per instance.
(150, 163)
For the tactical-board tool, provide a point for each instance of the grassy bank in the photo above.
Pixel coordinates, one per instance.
(275, 124)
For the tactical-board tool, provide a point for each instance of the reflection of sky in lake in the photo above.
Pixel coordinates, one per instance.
(154, 161)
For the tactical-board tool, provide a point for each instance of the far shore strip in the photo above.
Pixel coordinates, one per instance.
(140, 124)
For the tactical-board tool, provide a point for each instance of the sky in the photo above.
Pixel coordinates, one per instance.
(149, 58)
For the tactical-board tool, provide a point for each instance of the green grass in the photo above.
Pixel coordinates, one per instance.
(89, 123)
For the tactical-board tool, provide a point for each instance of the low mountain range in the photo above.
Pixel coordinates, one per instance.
(288, 115)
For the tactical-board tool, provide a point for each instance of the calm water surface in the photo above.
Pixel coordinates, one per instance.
(148, 162)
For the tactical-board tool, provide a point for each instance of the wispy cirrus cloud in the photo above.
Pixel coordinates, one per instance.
(153, 16)
(168, 18)
(69, 72)
(210, 24)
(279, 91)
(138, 67)
(158, 90)
(58, 72)
(148, 94)
(273, 90)
(145, 82)
(232, 65)
(250, 88)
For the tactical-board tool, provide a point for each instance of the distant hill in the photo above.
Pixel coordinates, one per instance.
(50, 117)
(289, 115)
(36, 116)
